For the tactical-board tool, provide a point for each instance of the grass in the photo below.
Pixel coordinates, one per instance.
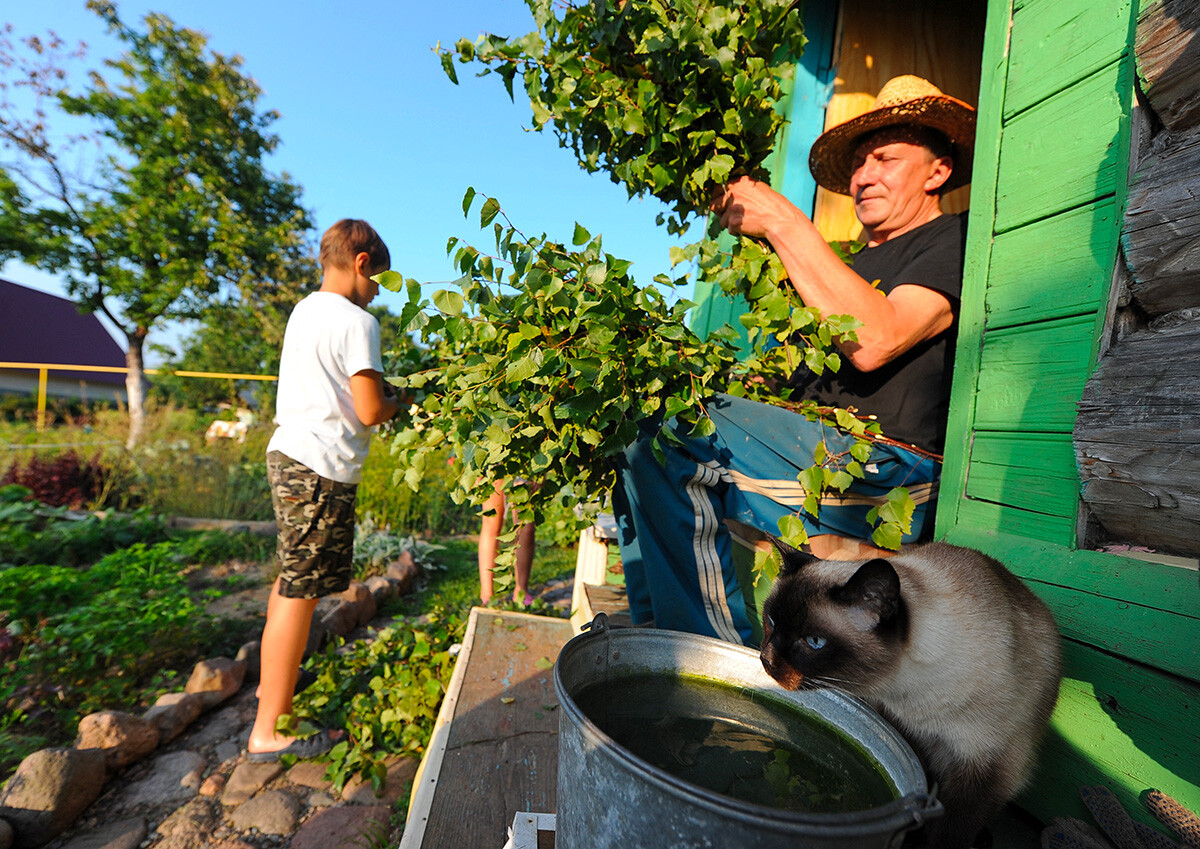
(455, 586)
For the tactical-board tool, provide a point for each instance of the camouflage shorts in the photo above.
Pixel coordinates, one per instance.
(315, 517)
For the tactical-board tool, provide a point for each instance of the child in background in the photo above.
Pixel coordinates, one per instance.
(331, 395)
(493, 520)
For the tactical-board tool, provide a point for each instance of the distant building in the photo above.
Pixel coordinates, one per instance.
(37, 327)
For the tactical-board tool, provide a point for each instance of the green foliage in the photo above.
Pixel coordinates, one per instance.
(376, 547)
(34, 533)
(75, 640)
(671, 99)
(551, 358)
(386, 692)
(405, 511)
(549, 382)
(173, 205)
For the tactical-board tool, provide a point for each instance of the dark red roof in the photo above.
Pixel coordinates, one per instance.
(37, 327)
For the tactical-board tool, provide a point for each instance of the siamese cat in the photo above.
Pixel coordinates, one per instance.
(945, 643)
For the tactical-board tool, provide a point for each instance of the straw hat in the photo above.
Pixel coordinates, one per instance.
(903, 100)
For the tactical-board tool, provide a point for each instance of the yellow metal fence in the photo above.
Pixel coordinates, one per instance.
(43, 370)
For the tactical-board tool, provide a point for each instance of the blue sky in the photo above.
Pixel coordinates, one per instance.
(371, 127)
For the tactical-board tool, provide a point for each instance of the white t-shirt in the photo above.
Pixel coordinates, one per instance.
(327, 340)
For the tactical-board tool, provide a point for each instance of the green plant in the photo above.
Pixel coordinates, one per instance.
(428, 510)
(73, 640)
(671, 99)
(552, 356)
(386, 692)
(31, 532)
(375, 547)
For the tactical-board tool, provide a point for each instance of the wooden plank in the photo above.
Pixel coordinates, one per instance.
(1054, 268)
(1161, 232)
(1145, 611)
(1032, 471)
(977, 262)
(1166, 48)
(1031, 377)
(1066, 151)
(988, 517)
(1138, 440)
(1165, 585)
(1093, 34)
(1165, 640)
(1120, 725)
(501, 741)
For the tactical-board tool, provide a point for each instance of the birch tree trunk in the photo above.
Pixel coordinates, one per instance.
(135, 386)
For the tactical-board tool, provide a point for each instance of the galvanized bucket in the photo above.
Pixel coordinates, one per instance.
(607, 796)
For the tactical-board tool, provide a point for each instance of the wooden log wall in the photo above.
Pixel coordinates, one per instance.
(1137, 434)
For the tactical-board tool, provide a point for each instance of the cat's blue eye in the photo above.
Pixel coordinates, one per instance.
(815, 643)
(770, 622)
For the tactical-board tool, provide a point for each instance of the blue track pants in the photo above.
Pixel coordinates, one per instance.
(675, 547)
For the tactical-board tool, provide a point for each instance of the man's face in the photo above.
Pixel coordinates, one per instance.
(891, 180)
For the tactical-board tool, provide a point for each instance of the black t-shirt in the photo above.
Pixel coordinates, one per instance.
(909, 396)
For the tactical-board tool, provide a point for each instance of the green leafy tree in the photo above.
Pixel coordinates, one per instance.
(243, 332)
(668, 99)
(173, 203)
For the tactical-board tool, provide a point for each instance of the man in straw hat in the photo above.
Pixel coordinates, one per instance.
(895, 161)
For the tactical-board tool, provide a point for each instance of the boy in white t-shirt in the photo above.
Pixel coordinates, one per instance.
(331, 393)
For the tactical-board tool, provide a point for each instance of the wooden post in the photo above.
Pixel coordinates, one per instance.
(41, 407)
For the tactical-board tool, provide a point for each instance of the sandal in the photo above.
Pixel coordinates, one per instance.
(304, 749)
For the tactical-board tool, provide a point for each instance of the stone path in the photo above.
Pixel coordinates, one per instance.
(200, 792)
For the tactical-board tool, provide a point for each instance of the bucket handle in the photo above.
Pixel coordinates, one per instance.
(921, 808)
(598, 625)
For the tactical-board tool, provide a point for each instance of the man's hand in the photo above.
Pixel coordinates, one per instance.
(749, 208)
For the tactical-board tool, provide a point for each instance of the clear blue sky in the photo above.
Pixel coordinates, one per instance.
(371, 127)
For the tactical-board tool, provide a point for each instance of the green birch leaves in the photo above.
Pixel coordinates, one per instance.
(549, 357)
(669, 97)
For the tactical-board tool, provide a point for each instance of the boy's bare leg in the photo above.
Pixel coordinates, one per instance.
(488, 545)
(283, 641)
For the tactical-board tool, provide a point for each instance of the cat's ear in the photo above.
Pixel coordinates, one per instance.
(873, 593)
(791, 558)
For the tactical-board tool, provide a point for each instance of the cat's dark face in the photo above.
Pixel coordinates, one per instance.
(829, 624)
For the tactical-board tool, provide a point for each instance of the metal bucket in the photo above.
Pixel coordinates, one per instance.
(607, 796)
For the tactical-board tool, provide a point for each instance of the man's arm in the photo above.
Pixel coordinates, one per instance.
(372, 404)
(892, 324)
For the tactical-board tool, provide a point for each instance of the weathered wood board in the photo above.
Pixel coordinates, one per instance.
(1137, 440)
(1168, 60)
(1161, 232)
(495, 749)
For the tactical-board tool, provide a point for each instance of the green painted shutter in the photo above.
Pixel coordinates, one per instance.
(1050, 171)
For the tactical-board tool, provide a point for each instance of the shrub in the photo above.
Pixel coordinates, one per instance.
(394, 505)
(60, 481)
(386, 691)
(75, 640)
(33, 533)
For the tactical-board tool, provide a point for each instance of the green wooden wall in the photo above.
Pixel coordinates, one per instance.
(1051, 166)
